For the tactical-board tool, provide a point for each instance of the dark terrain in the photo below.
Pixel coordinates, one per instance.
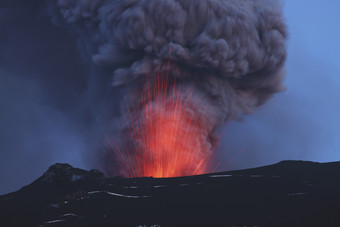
(290, 193)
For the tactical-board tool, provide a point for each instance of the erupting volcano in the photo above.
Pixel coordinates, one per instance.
(224, 59)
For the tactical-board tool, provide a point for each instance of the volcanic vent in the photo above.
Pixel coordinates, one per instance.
(182, 68)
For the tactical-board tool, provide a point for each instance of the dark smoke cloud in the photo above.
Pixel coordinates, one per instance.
(232, 51)
(239, 43)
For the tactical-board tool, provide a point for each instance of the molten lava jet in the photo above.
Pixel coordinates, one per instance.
(168, 137)
(169, 132)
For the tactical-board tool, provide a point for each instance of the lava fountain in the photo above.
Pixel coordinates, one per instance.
(166, 137)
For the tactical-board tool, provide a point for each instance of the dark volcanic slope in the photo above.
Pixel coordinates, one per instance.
(290, 193)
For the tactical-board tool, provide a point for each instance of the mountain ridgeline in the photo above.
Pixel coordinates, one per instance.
(289, 193)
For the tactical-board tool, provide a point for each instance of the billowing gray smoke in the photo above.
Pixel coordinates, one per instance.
(231, 53)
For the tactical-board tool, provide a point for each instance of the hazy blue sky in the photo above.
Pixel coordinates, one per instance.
(301, 123)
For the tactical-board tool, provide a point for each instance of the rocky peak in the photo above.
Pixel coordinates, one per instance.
(65, 172)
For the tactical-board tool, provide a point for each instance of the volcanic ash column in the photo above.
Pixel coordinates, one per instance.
(185, 67)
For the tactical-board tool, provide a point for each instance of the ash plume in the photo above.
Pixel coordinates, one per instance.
(229, 53)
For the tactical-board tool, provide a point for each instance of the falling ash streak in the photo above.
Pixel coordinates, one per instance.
(114, 151)
(230, 162)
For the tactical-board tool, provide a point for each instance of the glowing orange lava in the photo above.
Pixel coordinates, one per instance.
(168, 138)
(171, 141)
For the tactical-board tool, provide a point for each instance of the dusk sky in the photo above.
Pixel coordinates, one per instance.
(302, 123)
